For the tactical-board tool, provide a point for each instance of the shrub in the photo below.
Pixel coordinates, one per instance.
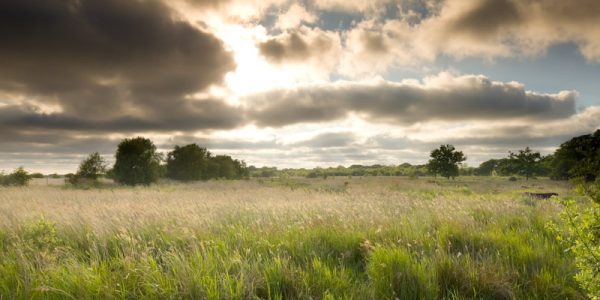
(582, 237)
(92, 167)
(19, 177)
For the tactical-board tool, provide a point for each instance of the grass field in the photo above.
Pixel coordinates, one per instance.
(339, 238)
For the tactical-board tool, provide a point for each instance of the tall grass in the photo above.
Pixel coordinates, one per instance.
(373, 238)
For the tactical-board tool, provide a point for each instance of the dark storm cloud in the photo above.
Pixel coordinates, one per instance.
(205, 114)
(107, 61)
(453, 98)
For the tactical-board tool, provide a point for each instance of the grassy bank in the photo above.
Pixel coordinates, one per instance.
(360, 238)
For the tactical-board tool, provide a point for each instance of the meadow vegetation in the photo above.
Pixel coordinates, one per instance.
(334, 238)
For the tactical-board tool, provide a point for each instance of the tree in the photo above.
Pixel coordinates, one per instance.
(223, 166)
(445, 160)
(137, 162)
(487, 168)
(526, 162)
(187, 163)
(92, 167)
(578, 157)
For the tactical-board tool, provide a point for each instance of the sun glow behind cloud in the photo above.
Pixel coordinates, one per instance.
(253, 73)
(371, 90)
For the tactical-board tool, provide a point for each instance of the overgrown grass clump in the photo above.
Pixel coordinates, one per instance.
(378, 239)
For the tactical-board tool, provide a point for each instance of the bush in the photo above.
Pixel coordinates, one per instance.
(512, 178)
(89, 171)
(582, 237)
(19, 177)
(92, 167)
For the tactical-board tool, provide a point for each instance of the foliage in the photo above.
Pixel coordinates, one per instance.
(404, 169)
(444, 161)
(187, 163)
(517, 164)
(92, 167)
(137, 162)
(487, 168)
(582, 236)
(225, 167)
(191, 162)
(578, 157)
(526, 162)
(19, 177)
(264, 172)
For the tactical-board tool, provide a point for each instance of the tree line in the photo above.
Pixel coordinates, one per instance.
(578, 157)
(404, 169)
(138, 162)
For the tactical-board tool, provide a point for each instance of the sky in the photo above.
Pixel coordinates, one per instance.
(295, 83)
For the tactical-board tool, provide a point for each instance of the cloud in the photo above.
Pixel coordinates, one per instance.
(294, 17)
(471, 28)
(233, 10)
(106, 61)
(381, 144)
(198, 115)
(302, 45)
(351, 6)
(443, 97)
(328, 140)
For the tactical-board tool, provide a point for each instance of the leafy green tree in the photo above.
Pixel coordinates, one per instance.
(137, 162)
(225, 167)
(444, 161)
(526, 162)
(92, 167)
(187, 163)
(487, 167)
(578, 157)
(545, 168)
